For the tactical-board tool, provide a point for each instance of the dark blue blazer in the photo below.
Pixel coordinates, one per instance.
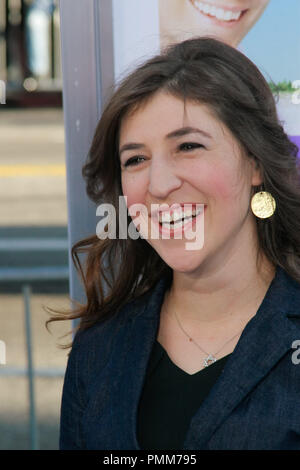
(254, 404)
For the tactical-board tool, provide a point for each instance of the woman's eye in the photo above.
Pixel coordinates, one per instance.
(186, 146)
(189, 146)
(132, 161)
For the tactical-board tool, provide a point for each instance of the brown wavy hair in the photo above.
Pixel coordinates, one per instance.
(211, 72)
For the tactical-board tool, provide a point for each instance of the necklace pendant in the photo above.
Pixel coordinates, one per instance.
(209, 360)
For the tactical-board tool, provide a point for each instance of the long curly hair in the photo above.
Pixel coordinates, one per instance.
(208, 71)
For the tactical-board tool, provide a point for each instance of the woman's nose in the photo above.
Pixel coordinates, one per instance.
(162, 178)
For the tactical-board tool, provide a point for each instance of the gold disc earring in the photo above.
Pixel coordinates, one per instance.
(263, 204)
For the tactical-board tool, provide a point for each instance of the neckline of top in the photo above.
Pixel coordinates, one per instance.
(218, 361)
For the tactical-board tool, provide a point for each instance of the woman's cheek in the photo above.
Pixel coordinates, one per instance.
(133, 188)
(213, 183)
(221, 188)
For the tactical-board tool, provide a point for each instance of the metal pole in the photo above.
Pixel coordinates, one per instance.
(52, 51)
(30, 370)
(88, 76)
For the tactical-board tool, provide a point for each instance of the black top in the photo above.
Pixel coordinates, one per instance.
(170, 398)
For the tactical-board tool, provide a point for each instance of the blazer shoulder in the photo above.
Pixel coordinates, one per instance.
(105, 328)
(92, 347)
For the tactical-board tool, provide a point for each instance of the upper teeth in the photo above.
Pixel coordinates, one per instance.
(225, 15)
(177, 215)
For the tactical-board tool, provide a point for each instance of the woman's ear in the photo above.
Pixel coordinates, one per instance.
(257, 178)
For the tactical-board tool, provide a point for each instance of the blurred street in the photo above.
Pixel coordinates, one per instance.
(32, 168)
(33, 234)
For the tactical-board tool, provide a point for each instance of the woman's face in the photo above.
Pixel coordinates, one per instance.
(227, 20)
(205, 167)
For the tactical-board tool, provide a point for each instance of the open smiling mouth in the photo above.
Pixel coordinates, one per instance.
(168, 226)
(213, 12)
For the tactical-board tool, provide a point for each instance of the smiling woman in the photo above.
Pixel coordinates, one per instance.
(188, 349)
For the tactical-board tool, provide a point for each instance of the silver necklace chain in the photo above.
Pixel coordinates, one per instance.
(210, 357)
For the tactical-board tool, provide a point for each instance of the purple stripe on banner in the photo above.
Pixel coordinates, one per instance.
(296, 140)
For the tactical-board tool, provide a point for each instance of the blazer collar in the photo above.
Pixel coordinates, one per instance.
(265, 339)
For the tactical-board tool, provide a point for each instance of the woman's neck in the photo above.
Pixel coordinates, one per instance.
(220, 297)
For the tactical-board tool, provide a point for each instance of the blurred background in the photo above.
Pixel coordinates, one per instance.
(33, 224)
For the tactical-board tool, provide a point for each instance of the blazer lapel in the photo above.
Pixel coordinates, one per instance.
(266, 338)
(129, 365)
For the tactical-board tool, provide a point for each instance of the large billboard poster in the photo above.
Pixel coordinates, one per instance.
(267, 31)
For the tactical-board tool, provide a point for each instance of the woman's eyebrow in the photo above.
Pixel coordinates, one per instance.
(130, 146)
(187, 130)
(177, 133)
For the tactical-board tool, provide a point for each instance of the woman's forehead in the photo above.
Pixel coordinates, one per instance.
(165, 112)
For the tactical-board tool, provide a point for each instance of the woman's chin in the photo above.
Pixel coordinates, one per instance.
(183, 265)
